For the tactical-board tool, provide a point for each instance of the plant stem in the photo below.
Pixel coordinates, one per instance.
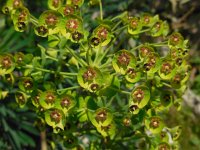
(116, 25)
(101, 9)
(69, 88)
(80, 60)
(33, 20)
(118, 90)
(120, 28)
(51, 71)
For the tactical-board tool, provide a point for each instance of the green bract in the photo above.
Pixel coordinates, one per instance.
(103, 33)
(90, 78)
(47, 99)
(50, 21)
(21, 18)
(140, 96)
(101, 118)
(145, 50)
(55, 4)
(154, 124)
(159, 28)
(55, 118)
(135, 25)
(11, 5)
(65, 102)
(123, 60)
(7, 64)
(167, 69)
(26, 84)
(21, 98)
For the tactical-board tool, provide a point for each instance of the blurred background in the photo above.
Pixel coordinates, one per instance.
(17, 125)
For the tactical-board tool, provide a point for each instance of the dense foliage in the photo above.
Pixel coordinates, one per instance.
(93, 92)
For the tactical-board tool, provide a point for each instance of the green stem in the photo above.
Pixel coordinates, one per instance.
(116, 25)
(69, 88)
(80, 60)
(101, 9)
(118, 90)
(120, 28)
(51, 71)
(33, 20)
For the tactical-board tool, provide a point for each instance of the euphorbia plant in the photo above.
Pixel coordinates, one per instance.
(86, 87)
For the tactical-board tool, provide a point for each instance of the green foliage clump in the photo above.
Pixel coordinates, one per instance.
(86, 87)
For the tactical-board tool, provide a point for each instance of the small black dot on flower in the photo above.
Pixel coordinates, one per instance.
(76, 36)
(95, 41)
(21, 25)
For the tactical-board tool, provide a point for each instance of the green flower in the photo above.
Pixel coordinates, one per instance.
(135, 25)
(163, 146)
(47, 99)
(148, 20)
(152, 63)
(49, 22)
(41, 30)
(65, 102)
(90, 78)
(26, 84)
(108, 130)
(103, 32)
(145, 50)
(154, 124)
(123, 60)
(7, 64)
(55, 118)
(11, 5)
(78, 3)
(101, 117)
(55, 4)
(140, 96)
(21, 98)
(9, 78)
(176, 39)
(21, 19)
(167, 69)
(159, 28)
(134, 109)
(133, 75)
(35, 98)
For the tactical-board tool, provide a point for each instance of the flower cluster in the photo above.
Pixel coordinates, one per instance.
(82, 82)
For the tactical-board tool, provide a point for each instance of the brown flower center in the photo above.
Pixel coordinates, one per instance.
(56, 116)
(138, 94)
(101, 116)
(154, 123)
(124, 59)
(102, 33)
(6, 62)
(72, 24)
(166, 68)
(90, 74)
(65, 102)
(50, 98)
(51, 20)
